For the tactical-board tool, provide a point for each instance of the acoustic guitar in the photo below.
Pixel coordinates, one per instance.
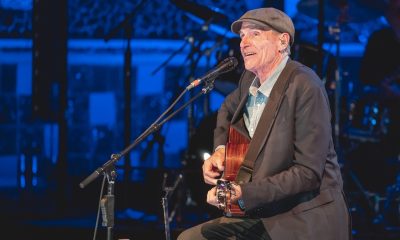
(235, 151)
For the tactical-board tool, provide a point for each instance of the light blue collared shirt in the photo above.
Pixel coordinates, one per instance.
(258, 96)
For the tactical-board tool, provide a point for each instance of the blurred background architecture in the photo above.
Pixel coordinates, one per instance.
(81, 80)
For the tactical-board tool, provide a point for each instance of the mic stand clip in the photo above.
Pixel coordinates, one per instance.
(209, 85)
(107, 202)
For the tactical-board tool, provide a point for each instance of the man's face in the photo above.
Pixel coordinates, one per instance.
(259, 48)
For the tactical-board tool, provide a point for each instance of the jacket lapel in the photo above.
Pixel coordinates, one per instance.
(266, 122)
(237, 121)
(270, 112)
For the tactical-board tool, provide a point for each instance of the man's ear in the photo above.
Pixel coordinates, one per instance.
(284, 38)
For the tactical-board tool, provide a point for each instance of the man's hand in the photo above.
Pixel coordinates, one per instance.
(214, 166)
(212, 197)
(238, 193)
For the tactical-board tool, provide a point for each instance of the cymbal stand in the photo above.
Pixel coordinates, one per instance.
(320, 40)
(126, 26)
(193, 58)
(168, 193)
(335, 31)
(207, 53)
(189, 38)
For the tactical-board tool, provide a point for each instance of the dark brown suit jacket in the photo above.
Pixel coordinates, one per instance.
(296, 186)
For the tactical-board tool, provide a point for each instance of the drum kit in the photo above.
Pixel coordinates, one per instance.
(361, 119)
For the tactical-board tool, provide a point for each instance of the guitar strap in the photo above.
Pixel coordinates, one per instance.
(267, 119)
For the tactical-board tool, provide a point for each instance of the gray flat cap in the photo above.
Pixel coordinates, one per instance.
(270, 17)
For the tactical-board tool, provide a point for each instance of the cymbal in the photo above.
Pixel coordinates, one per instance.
(211, 16)
(202, 12)
(220, 30)
(343, 11)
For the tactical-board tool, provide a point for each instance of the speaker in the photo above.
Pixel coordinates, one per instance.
(49, 61)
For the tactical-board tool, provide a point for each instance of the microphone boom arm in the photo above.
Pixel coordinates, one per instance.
(153, 128)
(226, 65)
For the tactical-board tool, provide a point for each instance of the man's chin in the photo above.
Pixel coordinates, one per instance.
(249, 67)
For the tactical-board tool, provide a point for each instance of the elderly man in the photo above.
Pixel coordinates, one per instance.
(289, 185)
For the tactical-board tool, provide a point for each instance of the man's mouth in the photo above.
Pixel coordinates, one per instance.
(246, 54)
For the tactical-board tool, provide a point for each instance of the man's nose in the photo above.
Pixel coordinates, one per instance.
(244, 42)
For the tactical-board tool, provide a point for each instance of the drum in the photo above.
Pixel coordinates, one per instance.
(390, 209)
(368, 119)
(372, 135)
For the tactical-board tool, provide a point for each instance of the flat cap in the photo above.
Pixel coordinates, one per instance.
(270, 17)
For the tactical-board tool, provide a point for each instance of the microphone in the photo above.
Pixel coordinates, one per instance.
(228, 64)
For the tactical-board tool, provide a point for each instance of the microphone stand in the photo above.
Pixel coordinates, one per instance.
(108, 201)
(108, 168)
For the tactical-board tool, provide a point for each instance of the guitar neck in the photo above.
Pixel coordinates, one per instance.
(235, 151)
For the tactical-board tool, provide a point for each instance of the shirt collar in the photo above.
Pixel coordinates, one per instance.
(266, 87)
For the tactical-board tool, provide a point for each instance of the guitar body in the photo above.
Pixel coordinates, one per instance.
(235, 151)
